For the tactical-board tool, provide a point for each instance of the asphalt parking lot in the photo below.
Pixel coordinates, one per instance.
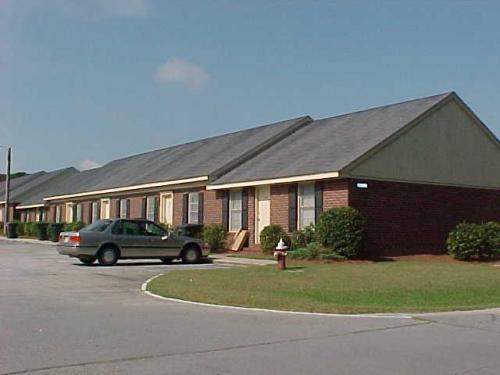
(59, 317)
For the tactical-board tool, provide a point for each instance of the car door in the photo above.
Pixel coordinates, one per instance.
(163, 244)
(132, 240)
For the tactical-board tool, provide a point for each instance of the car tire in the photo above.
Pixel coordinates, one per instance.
(107, 256)
(191, 254)
(166, 260)
(88, 261)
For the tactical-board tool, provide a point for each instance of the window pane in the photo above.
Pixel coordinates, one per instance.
(130, 228)
(235, 208)
(193, 208)
(306, 203)
(151, 208)
(123, 208)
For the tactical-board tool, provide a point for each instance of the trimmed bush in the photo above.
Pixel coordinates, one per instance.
(313, 250)
(215, 236)
(270, 236)
(474, 241)
(341, 230)
(20, 228)
(29, 229)
(301, 238)
(73, 227)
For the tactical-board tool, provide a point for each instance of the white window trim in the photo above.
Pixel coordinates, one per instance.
(299, 218)
(123, 208)
(58, 214)
(1, 214)
(69, 212)
(190, 213)
(163, 214)
(95, 213)
(148, 211)
(79, 215)
(105, 203)
(238, 212)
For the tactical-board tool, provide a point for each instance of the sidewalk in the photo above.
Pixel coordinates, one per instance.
(28, 240)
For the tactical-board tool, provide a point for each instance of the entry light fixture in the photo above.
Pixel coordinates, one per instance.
(362, 185)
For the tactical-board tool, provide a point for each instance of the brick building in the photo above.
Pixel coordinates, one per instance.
(414, 170)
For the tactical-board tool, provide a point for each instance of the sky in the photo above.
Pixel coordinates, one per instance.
(83, 82)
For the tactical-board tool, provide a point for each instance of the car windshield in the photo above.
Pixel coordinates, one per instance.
(98, 226)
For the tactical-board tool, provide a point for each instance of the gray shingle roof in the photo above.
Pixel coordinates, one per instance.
(44, 186)
(194, 159)
(330, 144)
(20, 185)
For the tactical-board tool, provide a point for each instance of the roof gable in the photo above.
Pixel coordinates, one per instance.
(330, 144)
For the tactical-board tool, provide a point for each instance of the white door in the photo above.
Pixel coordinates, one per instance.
(263, 208)
(167, 208)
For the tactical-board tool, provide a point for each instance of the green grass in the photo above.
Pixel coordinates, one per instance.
(399, 286)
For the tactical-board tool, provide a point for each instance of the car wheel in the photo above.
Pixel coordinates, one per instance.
(107, 256)
(88, 261)
(166, 260)
(191, 254)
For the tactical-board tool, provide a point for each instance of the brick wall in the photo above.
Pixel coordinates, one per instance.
(279, 205)
(404, 218)
(212, 207)
(335, 193)
(251, 216)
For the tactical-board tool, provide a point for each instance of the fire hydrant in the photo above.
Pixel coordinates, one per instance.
(280, 254)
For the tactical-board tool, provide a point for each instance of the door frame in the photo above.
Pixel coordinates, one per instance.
(161, 208)
(257, 213)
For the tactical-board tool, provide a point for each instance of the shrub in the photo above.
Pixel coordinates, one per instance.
(20, 228)
(29, 229)
(301, 238)
(214, 235)
(73, 227)
(332, 257)
(474, 241)
(313, 250)
(341, 230)
(492, 232)
(270, 236)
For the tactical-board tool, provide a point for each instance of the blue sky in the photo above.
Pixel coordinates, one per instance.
(86, 81)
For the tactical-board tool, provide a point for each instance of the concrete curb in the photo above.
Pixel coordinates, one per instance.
(144, 287)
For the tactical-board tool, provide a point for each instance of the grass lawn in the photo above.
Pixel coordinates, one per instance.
(397, 286)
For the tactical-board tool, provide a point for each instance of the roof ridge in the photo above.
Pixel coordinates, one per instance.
(207, 138)
(443, 95)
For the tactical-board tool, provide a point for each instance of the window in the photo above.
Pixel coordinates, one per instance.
(98, 226)
(105, 209)
(79, 213)
(40, 214)
(123, 208)
(235, 208)
(69, 212)
(95, 211)
(154, 230)
(193, 208)
(58, 214)
(306, 205)
(151, 208)
(129, 228)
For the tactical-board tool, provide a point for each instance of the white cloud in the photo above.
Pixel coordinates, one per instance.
(88, 164)
(179, 71)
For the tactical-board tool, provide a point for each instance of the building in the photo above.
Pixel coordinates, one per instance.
(413, 169)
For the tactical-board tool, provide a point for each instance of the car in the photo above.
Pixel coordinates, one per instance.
(111, 239)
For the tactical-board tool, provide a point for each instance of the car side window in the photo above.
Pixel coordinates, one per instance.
(129, 228)
(154, 230)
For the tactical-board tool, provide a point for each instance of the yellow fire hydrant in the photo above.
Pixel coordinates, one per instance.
(280, 254)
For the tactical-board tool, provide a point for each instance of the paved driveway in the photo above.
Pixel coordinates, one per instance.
(57, 317)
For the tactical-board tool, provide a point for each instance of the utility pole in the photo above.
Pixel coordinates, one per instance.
(7, 192)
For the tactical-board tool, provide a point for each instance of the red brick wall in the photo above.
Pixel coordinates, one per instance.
(335, 193)
(405, 218)
(279, 205)
(136, 207)
(212, 207)
(251, 215)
